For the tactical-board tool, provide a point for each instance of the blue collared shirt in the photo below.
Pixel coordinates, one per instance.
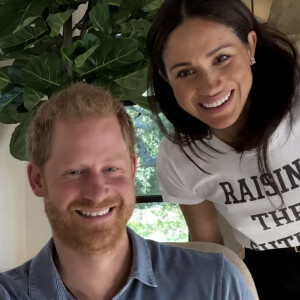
(159, 272)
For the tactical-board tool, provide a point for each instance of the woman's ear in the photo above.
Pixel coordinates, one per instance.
(164, 77)
(252, 39)
(35, 179)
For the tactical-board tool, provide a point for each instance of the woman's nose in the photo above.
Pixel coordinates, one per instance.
(209, 83)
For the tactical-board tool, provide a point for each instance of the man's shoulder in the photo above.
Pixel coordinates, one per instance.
(14, 283)
(208, 270)
(164, 253)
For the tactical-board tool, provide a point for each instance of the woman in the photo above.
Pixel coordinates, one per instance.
(228, 85)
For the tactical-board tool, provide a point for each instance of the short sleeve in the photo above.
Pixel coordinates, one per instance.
(175, 174)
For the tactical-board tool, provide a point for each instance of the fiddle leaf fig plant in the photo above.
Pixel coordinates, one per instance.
(46, 45)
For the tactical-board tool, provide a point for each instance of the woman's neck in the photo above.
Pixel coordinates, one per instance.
(230, 135)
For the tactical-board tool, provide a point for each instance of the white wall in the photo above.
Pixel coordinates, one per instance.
(12, 204)
(38, 229)
(24, 228)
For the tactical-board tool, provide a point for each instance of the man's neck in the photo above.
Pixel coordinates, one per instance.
(95, 276)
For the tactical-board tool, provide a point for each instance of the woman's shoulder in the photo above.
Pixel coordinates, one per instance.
(169, 150)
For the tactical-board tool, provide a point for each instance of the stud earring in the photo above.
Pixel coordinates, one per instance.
(252, 61)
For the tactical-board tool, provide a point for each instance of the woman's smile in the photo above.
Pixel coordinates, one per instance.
(209, 70)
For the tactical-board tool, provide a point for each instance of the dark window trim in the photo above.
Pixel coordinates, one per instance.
(149, 199)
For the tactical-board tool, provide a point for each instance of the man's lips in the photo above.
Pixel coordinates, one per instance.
(93, 213)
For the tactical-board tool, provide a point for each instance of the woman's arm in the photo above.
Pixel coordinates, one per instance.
(202, 221)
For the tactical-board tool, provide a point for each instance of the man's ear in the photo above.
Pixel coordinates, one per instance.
(134, 166)
(252, 39)
(164, 77)
(34, 175)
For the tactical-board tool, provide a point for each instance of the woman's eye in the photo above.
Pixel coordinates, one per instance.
(184, 73)
(222, 58)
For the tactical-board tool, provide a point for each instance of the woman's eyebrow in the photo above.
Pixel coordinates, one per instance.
(182, 64)
(211, 53)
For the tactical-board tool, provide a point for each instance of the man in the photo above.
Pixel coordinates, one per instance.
(82, 161)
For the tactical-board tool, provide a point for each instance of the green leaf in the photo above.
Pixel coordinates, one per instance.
(3, 57)
(135, 81)
(18, 112)
(45, 44)
(79, 48)
(21, 60)
(109, 84)
(152, 5)
(113, 54)
(91, 39)
(133, 86)
(70, 53)
(24, 37)
(31, 98)
(15, 75)
(14, 94)
(44, 73)
(6, 118)
(81, 59)
(128, 8)
(10, 98)
(18, 139)
(114, 2)
(56, 21)
(135, 28)
(4, 79)
(99, 16)
(27, 22)
(15, 12)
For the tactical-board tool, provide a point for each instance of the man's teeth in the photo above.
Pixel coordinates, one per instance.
(217, 103)
(94, 213)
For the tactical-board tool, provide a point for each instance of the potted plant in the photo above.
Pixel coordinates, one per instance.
(48, 49)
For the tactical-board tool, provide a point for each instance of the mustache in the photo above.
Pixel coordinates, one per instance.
(90, 204)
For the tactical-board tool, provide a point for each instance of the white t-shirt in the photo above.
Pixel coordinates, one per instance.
(238, 190)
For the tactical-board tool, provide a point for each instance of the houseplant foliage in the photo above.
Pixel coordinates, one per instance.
(48, 51)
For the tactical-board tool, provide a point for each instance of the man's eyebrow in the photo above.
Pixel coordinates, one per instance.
(211, 53)
(119, 156)
(109, 159)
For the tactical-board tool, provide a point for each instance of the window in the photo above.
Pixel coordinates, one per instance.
(152, 218)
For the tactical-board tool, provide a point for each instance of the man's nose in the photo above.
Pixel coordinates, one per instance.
(95, 187)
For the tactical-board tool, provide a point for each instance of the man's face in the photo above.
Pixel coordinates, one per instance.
(87, 183)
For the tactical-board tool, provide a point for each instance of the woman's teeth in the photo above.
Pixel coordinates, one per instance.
(217, 103)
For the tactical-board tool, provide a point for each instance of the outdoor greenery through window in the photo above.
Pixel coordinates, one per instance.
(157, 220)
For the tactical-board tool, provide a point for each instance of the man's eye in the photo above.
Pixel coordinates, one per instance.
(111, 169)
(222, 58)
(75, 172)
(184, 73)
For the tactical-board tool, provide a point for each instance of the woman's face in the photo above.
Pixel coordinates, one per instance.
(209, 70)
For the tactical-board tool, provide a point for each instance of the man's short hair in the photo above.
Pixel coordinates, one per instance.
(79, 101)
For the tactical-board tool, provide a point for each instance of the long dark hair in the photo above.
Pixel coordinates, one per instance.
(275, 77)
